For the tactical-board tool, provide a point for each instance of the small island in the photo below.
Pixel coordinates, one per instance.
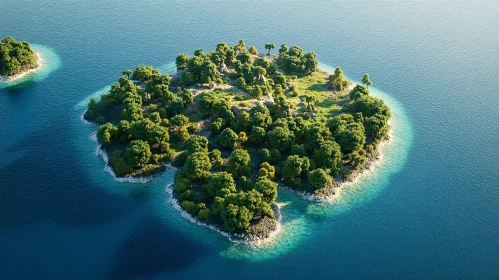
(16, 59)
(238, 124)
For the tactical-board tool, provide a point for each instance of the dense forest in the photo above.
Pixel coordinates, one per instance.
(238, 124)
(15, 57)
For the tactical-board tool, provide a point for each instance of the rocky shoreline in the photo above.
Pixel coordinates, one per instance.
(330, 193)
(258, 234)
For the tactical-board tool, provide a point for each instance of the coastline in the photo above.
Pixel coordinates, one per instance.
(13, 78)
(233, 237)
(268, 230)
(334, 190)
(127, 179)
(236, 238)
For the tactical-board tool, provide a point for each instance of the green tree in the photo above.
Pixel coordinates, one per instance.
(187, 96)
(358, 91)
(257, 92)
(181, 60)
(240, 47)
(259, 72)
(260, 116)
(266, 170)
(257, 135)
(267, 188)
(376, 126)
(236, 218)
(298, 150)
(337, 80)
(216, 125)
(132, 111)
(242, 137)
(155, 118)
(244, 57)
(269, 47)
(106, 133)
(351, 136)
(253, 50)
(197, 144)
(216, 158)
(222, 47)
(15, 57)
(182, 134)
(197, 164)
(310, 62)
(228, 138)
(366, 80)
(281, 138)
(319, 178)
(119, 164)
(295, 51)
(294, 167)
(220, 184)
(328, 156)
(336, 121)
(283, 49)
(179, 120)
(238, 163)
(127, 73)
(357, 158)
(241, 83)
(280, 80)
(264, 154)
(275, 155)
(138, 152)
(315, 134)
(142, 73)
(209, 73)
(370, 106)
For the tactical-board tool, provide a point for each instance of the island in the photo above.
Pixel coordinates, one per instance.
(16, 59)
(238, 124)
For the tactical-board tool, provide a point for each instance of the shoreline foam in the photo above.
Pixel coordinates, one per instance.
(232, 237)
(367, 169)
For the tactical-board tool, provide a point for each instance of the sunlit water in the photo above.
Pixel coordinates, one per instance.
(428, 209)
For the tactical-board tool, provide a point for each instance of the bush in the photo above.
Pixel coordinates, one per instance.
(204, 214)
(162, 112)
(319, 178)
(101, 120)
(155, 158)
(119, 164)
(275, 155)
(264, 153)
(298, 150)
(190, 207)
(90, 114)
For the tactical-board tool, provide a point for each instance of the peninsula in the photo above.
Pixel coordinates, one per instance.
(16, 59)
(238, 124)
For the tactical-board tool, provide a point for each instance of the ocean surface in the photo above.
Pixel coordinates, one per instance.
(429, 208)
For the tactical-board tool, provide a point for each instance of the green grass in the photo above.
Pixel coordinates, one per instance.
(315, 84)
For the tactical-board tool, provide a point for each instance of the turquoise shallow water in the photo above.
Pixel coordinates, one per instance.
(428, 210)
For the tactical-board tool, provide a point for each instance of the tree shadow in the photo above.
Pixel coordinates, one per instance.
(152, 249)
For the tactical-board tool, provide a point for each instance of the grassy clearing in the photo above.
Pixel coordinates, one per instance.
(315, 85)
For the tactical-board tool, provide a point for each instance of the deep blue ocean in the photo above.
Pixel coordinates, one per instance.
(430, 208)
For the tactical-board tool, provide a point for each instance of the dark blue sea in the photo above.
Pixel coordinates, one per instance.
(428, 210)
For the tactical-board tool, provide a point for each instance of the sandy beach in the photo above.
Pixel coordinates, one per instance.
(39, 62)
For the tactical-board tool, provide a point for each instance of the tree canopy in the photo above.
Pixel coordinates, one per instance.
(15, 57)
(237, 124)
